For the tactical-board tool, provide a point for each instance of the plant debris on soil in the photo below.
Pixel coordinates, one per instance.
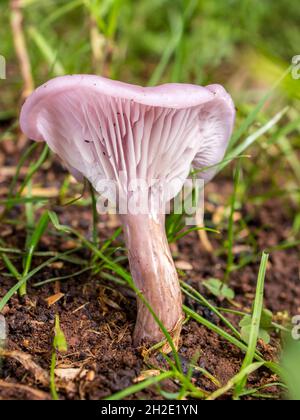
(98, 316)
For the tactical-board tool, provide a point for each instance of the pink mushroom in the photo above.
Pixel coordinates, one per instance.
(113, 134)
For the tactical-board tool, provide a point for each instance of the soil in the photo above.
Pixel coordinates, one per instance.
(98, 317)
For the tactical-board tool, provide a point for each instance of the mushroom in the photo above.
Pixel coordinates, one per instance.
(114, 134)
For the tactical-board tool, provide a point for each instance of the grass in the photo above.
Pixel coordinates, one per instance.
(59, 345)
(255, 324)
(149, 43)
(230, 257)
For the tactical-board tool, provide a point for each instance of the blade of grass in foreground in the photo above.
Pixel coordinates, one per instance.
(235, 153)
(185, 380)
(10, 266)
(194, 294)
(140, 386)
(240, 148)
(246, 371)
(230, 258)
(61, 11)
(22, 160)
(31, 247)
(62, 278)
(95, 216)
(60, 345)
(23, 200)
(222, 333)
(30, 223)
(6, 298)
(251, 117)
(34, 168)
(255, 392)
(48, 53)
(255, 324)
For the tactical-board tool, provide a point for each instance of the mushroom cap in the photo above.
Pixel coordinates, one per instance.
(108, 130)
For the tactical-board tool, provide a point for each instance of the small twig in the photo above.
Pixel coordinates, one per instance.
(40, 375)
(40, 395)
(16, 18)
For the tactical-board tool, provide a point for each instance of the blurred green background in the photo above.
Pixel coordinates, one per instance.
(246, 45)
(156, 41)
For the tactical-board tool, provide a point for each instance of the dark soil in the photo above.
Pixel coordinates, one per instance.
(98, 317)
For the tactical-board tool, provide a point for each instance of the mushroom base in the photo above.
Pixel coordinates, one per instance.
(155, 275)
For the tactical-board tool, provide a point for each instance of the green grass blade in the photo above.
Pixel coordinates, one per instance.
(230, 256)
(6, 298)
(252, 116)
(21, 162)
(59, 12)
(140, 386)
(34, 168)
(218, 331)
(11, 267)
(48, 53)
(194, 294)
(233, 153)
(245, 372)
(255, 324)
(34, 240)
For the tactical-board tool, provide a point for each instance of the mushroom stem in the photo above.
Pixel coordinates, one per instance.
(155, 275)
